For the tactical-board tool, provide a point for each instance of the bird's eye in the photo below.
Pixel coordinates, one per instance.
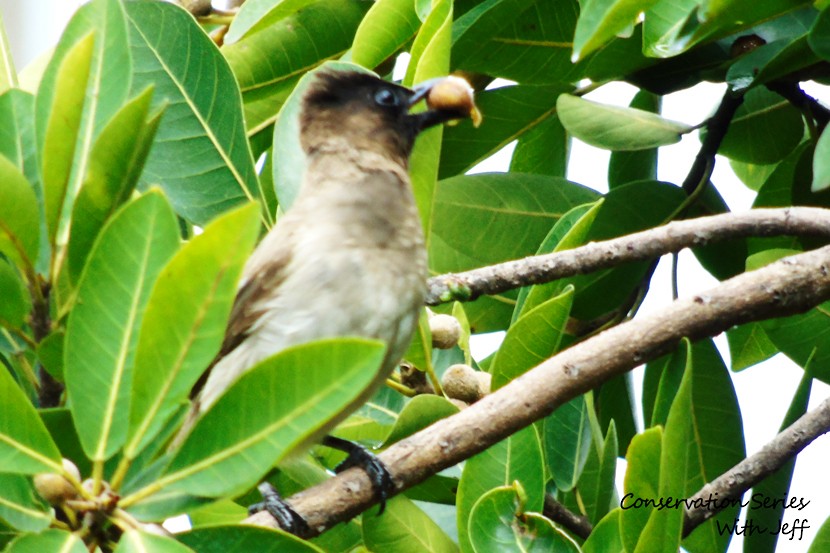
(385, 97)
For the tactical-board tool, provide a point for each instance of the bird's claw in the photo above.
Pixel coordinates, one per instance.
(272, 502)
(359, 456)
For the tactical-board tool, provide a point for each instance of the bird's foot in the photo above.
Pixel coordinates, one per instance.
(288, 519)
(359, 456)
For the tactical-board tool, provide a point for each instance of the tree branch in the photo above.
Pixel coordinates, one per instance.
(789, 286)
(560, 514)
(641, 246)
(734, 482)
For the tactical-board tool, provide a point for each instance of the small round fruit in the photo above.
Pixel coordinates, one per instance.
(54, 488)
(460, 382)
(445, 330)
(456, 94)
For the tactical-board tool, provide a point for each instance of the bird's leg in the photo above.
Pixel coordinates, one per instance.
(288, 519)
(359, 456)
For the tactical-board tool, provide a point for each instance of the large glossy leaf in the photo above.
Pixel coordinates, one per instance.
(641, 482)
(8, 74)
(133, 541)
(58, 132)
(19, 216)
(602, 20)
(50, 540)
(518, 457)
(17, 134)
(233, 445)
(115, 163)
(511, 213)
(771, 61)
(419, 413)
(17, 302)
(294, 37)
(25, 445)
(624, 166)
(429, 58)
(597, 483)
(528, 42)
(499, 524)
(534, 337)
(185, 321)
(103, 81)
(102, 330)
(20, 506)
(763, 114)
(508, 113)
(605, 536)
(405, 528)
(200, 156)
(220, 539)
(544, 149)
(388, 25)
(802, 338)
(617, 128)
(567, 441)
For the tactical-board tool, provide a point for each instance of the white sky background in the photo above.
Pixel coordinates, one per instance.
(764, 391)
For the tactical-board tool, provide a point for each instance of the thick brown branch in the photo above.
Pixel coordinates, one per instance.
(734, 482)
(495, 279)
(560, 514)
(788, 286)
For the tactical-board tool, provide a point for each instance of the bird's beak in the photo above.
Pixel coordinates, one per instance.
(447, 98)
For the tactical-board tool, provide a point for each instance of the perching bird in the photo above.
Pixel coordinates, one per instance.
(348, 257)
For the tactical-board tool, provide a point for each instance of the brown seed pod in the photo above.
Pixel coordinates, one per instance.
(445, 330)
(460, 382)
(454, 93)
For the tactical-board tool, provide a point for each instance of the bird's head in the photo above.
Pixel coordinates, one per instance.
(369, 113)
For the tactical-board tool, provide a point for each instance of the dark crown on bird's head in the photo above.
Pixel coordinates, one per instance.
(367, 112)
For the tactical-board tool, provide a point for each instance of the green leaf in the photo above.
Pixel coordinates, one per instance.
(771, 61)
(419, 352)
(597, 483)
(50, 540)
(185, 320)
(499, 524)
(318, 381)
(524, 41)
(16, 302)
(115, 163)
(387, 26)
(20, 505)
(291, 39)
(821, 163)
(221, 539)
(429, 58)
(25, 445)
(641, 482)
(543, 149)
(616, 128)
(763, 114)
(600, 21)
(749, 345)
(64, 109)
(819, 36)
(93, 95)
(534, 337)
(801, 338)
(822, 540)
(102, 330)
(419, 413)
(509, 112)
(404, 528)
(17, 134)
(625, 167)
(567, 442)
(777, 484)
(511, 213)
(19, 217)
(133, 541)
(606, 535)
(222, 174)
(518, 457)
(8, 74)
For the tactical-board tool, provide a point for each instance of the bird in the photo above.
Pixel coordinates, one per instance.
(348, 258)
